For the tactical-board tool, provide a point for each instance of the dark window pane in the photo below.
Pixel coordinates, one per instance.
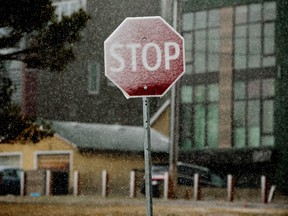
(268, 107)
(199, 63)
(255, 12)
(186, 116)
(269, 30)
(188, 47)
(254, 46)
(240, 54)
(200, 42)
(188, 21)
(269, 11)
(188, 56)
(201, 19)
(240, 62)
(186, 145)
(200, 93)
(188, 69)
(269, 43)
(253, 113)
(239, 137)
(268, 140)
(240, 32)
(213, 92)
(212, 127)
(254, 61)
(255, 32)
(213, 63)
(200, 50)
(239, 114)
(213, 50)
(254, 89)
(268, 88)
(239, 90)
(199, 126)
(186, 94)
(188, 41)
(94, 70)
(214, 40)
(254, 137)
(269, 46)
(214, 18)
(241, 14)
(269, 61)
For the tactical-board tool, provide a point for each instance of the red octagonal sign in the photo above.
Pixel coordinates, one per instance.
(144, 57)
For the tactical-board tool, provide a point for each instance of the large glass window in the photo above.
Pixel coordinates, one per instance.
(254, 62)
(199, 121)
(254, 36)
(200, 91)
(201, 31)
(253, 113)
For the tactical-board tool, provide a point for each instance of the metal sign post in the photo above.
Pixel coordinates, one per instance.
(144, 57)
(147, 155)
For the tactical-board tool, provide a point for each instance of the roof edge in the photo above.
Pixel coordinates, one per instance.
(160, 111)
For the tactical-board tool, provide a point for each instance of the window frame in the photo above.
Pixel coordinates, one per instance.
(204, 78)
(248, 74)
(206, 104)
(98, 77)
(247, 39)
(206, 53)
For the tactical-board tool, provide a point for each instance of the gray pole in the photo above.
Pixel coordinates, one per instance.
(173, 141)
(173, 148)
(147, 156)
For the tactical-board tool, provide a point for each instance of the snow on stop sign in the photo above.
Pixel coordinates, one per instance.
(144, 57)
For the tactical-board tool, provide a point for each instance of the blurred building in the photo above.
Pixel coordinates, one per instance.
(225, 101)
(226, 98)
(82, 92)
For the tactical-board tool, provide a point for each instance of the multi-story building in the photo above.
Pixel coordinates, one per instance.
(227, 95)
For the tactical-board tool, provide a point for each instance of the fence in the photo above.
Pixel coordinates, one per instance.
(40, 182)
(266, 195)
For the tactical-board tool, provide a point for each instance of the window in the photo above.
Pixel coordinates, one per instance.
(199, 127)
(94, 77)
(253, 113)
(11, 159)
(254, 35)
(254, 69)
(201, 31)
(68, 7)
(199, 92)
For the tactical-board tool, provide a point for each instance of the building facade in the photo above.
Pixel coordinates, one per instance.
(227, 94)
(82, 92)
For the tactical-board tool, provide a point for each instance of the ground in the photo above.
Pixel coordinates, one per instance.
(119, 206)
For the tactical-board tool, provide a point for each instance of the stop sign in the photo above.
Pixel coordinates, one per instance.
(144, 56)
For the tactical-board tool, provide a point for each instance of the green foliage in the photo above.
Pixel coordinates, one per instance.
(37, 37)
(13, 125)
(11, 122)
(30, 32)
(35, 131)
